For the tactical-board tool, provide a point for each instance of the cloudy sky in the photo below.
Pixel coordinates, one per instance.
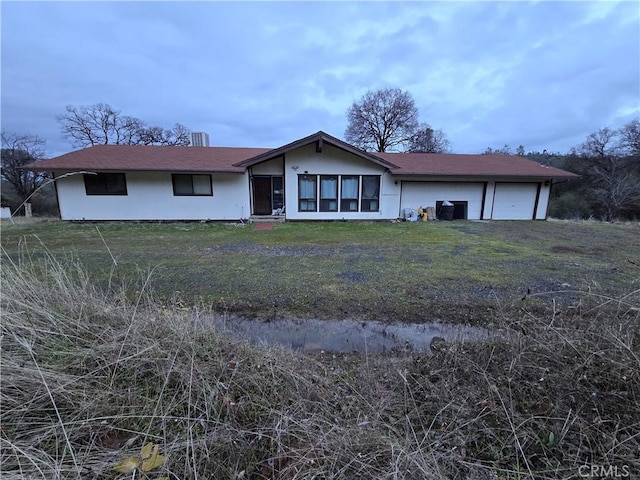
(541, 74)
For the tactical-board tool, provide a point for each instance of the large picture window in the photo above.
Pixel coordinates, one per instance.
(328, 193)
(307, 193)
(370, 193)
(344, 193)
(191, 185)
(349, 194)
(105, 184)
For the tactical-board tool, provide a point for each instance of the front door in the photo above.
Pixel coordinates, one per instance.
(262, 195)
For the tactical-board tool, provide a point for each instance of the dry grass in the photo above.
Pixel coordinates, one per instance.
(88, 376)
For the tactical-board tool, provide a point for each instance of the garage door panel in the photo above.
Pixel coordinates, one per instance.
(514, 201)
(426, 194)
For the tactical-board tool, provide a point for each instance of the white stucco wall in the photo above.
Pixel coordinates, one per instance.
(150, 197)
(270, 167)
(334, 161)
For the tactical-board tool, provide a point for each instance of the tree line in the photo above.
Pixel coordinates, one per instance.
(384, 120)
(608, 163)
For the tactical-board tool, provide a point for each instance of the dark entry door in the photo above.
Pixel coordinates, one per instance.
(262, 196)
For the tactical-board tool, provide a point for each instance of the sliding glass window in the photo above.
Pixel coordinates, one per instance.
(189, 185)
(105, 183)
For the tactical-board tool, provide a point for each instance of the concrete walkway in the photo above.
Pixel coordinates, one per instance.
(264, 226)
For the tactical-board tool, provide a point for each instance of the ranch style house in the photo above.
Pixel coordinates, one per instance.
(318, 177)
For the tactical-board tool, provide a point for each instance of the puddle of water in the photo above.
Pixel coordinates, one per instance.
(346, 335)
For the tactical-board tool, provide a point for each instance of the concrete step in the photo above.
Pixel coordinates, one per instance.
(266, 218)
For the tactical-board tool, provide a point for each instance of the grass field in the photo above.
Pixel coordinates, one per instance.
(453, 271)
(101, 357)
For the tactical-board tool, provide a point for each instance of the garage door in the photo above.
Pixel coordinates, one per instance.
(514, 201)
(427, 194)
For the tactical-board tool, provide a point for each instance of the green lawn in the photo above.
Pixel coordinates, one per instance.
(454, 271)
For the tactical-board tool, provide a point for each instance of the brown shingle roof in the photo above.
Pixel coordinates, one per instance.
(455, 165)
(237, 159)
(151, 158)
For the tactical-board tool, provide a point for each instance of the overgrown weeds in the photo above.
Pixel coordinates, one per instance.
(90, 375)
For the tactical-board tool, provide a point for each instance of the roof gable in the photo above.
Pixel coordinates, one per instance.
(319, 138)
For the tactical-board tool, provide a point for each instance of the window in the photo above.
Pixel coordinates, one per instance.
(349, 197)
(191, 185)
(328, 193)
(278, 192)
(346, 193)
(370, 193)
(105, 184)
(307, 193)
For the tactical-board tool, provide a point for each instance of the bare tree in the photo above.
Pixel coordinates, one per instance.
(617, 191)
(17, 151)
(101, 124)
(600, 144)
(614, 175)
(382, 120)
(427, 140)
(179, 135)
(630, 137)
(90, 125)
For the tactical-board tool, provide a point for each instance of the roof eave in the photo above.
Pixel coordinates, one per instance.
(63, 168)
(569, 176)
